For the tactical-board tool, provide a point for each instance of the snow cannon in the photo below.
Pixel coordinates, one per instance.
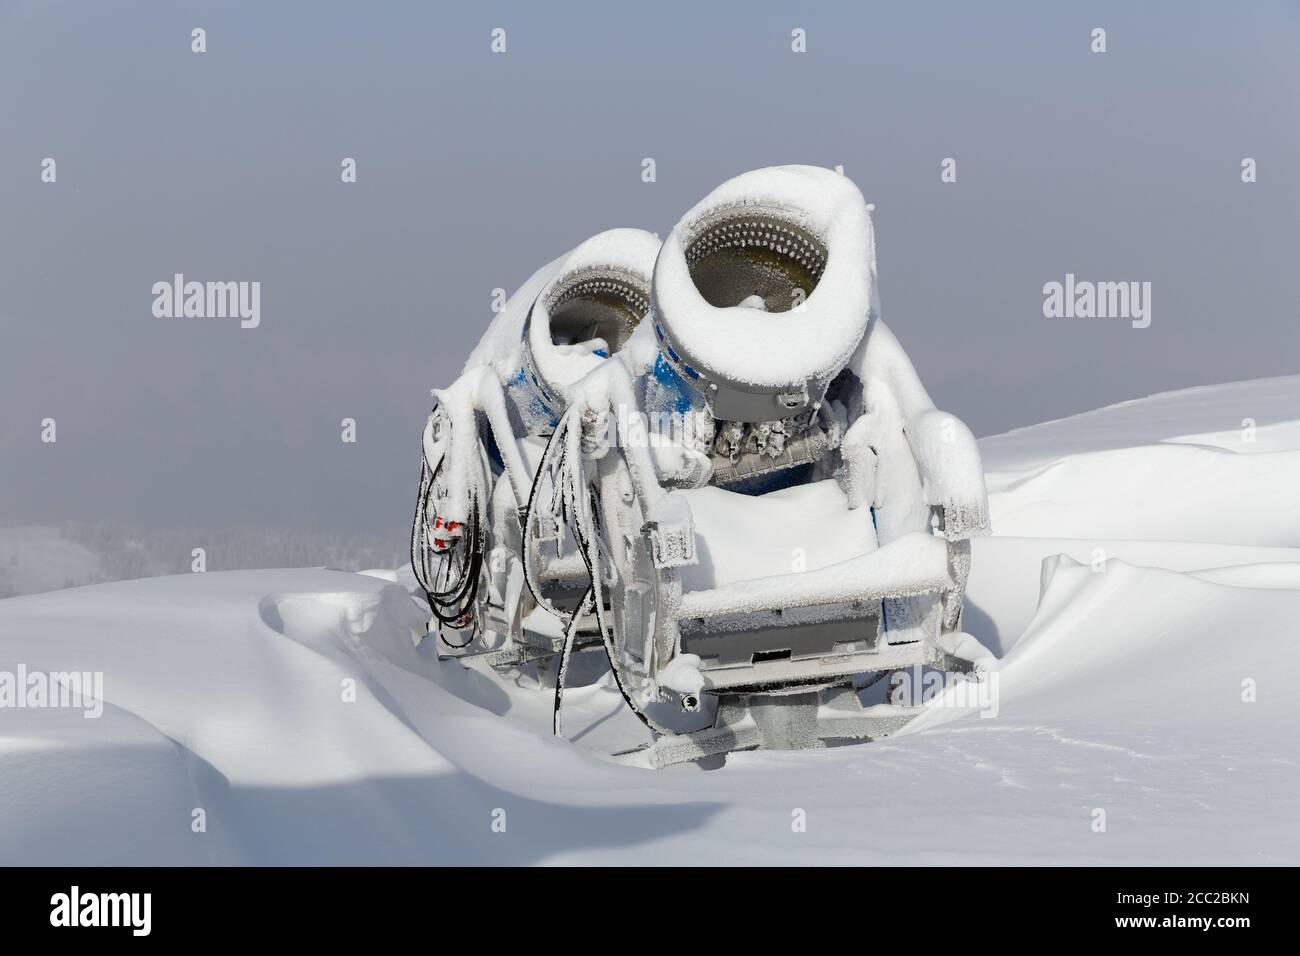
(750, 578)
(486, 434)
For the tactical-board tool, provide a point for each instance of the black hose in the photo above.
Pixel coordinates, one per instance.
(460, 566)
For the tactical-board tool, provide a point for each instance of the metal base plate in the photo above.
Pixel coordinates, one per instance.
(795, 721)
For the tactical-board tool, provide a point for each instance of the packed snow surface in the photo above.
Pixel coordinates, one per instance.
(1141, 591)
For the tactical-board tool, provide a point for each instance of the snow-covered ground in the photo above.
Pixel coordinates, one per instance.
(1150, 678)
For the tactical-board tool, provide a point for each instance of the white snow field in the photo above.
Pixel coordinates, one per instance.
(1149, 679)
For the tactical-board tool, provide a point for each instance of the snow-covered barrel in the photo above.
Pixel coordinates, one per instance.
(583, 315)
(762, 292)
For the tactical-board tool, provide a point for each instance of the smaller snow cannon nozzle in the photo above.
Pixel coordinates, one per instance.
(589, 310)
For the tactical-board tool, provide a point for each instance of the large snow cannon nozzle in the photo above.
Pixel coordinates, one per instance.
(762, 292)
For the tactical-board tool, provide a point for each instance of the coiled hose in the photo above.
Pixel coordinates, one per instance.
(451, 584)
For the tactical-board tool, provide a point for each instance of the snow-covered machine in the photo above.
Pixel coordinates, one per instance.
(765, 509)
(486, 434)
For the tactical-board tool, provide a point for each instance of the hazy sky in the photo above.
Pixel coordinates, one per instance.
(474, 168)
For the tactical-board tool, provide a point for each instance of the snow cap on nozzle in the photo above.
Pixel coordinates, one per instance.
(590, 308)
(762, 292)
